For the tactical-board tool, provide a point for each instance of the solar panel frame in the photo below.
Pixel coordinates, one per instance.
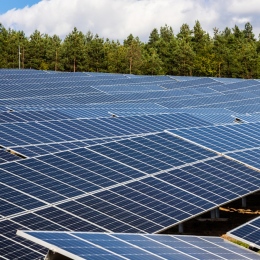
(78, 245)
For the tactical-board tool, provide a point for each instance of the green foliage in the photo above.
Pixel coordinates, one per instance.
(233, 52)
(152, 64)
(133, 54)
(240, 243)
(74, 53)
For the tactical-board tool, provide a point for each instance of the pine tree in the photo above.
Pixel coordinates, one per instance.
(74, 52)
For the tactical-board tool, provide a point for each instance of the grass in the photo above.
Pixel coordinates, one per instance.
(240, 243)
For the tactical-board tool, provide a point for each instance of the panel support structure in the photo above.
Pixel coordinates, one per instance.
(217, 212)
(244, 202)
(55, 256)
(213, 213)
(180, 228)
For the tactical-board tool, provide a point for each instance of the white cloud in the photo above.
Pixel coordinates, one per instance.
(241, 20)
(116, 19)
(244, 6)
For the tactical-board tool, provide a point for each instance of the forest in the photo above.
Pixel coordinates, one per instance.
(233, 52)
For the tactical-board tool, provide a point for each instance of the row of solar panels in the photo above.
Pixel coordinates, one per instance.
(133, 184)
(26, 137)
(237, 104)
(238, 141)
(79, 245)
(143, 184)
(211, 115)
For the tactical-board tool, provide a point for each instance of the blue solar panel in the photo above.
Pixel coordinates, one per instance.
(248, 233)
(28, 138)
(121, 182)
(225, 138)
(135, 187)
(250, 156)
(82, 88)
(192, 82)
(238, 86)
(239, 141)
(254, 107)
(228, 80)
(250, 118)
(135, 246)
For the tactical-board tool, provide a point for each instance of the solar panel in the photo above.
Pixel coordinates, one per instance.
(41, 149)
(76, 245)
(235, 84)
(28, 138)
(82, 89)
(192, 82)
(101, 161)
(233, 137)
(142, 184)
(27, 116)
(248, 156)
(228, 80)
(239, 141)
(248, 233)
(212, 115)
(250, 118)
(254, 107)
(210, 101)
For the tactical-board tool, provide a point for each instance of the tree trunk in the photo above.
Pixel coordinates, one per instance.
(130, 65)
(56, 60)
(23, 58)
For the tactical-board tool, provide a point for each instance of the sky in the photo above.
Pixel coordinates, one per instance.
(116, 19)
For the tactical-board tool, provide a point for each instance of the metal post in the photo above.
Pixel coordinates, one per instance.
(213, 214)
(217, 212)
(180, 227)
(244, 202)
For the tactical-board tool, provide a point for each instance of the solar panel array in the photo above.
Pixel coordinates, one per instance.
(79, 246)
(238, 141)
(58, 135)
(120, 153)
(248, 233)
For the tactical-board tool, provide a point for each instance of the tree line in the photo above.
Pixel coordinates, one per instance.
(191, 52)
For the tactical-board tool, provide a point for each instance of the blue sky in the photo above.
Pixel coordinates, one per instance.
(6, 5)
(116, 19)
